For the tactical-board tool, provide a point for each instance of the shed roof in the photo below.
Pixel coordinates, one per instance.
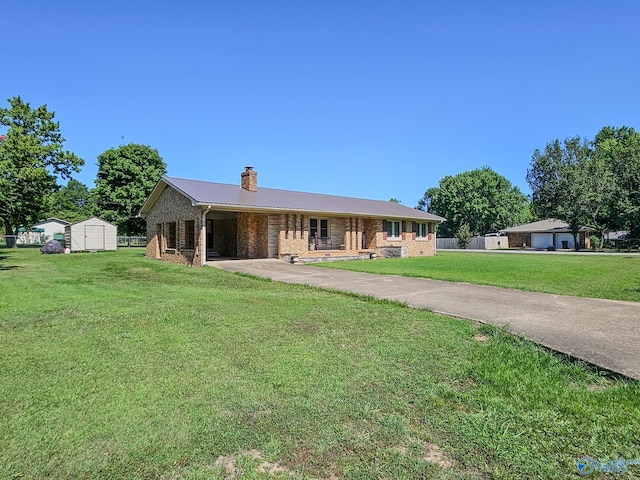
(51, 220)
(235, 198)
(549, 225)
(91, 220)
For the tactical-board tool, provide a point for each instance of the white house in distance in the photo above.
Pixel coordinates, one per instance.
(91, 235)
(52, 226)
(41, 232)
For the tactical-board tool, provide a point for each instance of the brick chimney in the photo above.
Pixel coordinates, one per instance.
(249, 179)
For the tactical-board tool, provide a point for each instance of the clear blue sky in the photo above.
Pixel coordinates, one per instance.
(374, 99)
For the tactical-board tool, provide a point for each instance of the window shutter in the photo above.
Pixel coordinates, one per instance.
(384, 229)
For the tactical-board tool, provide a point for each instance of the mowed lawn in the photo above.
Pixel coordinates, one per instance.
(115, 366)
(615, 277)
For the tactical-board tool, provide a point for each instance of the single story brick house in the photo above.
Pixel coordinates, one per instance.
(547, 233)
(191, 221)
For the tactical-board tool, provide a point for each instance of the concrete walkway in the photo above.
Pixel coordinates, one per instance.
(602, 332)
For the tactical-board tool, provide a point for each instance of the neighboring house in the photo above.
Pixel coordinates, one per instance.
(41, 232)
(91, 235)
(547, 233)
(52, 226)
(617, 239)
(190, 221)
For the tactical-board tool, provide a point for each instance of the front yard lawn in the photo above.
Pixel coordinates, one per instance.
(116, 366)
(616, 277)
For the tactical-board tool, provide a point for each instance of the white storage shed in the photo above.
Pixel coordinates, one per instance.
(91, 235)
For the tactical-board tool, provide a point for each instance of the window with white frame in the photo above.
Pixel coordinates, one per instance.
(422, 230)
(392, 228)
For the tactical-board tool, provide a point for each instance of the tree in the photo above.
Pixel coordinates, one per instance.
(482, 199)
(562, 183)
(32, 158)
(618, 151)
(71, 203)
(463, 236)
(126, 177)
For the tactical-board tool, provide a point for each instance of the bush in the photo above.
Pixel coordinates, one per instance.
(595, 242)
(464, 235)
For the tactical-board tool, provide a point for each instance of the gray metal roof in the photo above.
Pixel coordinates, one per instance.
(233, 197)
(550, 225)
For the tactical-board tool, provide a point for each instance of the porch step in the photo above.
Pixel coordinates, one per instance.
(327, 257)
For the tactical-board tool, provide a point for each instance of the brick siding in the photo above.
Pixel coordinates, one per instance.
(173, 207)
(257, 235)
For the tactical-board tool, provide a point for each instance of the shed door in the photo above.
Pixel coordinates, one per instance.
(94, 237)
(541, 240)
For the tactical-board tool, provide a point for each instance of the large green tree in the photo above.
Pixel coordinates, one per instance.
(482, 199)
(562, 179)
(617, 150)
(126, 177)
(72, 202)
(32, 158)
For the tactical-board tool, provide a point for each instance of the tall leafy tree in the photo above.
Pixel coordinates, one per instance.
(32, 158)
(562, 183)
(72, 202)
(481, 199)
(617, 150)
(126, 177)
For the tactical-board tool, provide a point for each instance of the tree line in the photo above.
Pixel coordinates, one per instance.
(33, 161)
(593, 183)
(583, 182)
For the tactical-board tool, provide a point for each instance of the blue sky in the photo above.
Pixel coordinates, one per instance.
(374, 99)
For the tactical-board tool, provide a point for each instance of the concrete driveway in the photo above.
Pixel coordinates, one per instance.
(602, 332)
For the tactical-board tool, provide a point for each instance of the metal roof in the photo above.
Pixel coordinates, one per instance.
(235, 198)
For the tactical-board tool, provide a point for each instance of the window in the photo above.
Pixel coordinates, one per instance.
(318, 227)
(160, 239)
(393, 229)
(171, 235)
(190, 235)
(422, 230)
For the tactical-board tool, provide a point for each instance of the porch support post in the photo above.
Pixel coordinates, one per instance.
(203, 238)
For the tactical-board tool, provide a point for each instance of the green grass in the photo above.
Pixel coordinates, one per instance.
(614, 277)
(116, 366)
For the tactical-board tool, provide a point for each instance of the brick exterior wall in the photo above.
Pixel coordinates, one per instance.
(416, 246)
(351, 232)
(519, 239)
(253, 240)
(173, 207)
(256, 235)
